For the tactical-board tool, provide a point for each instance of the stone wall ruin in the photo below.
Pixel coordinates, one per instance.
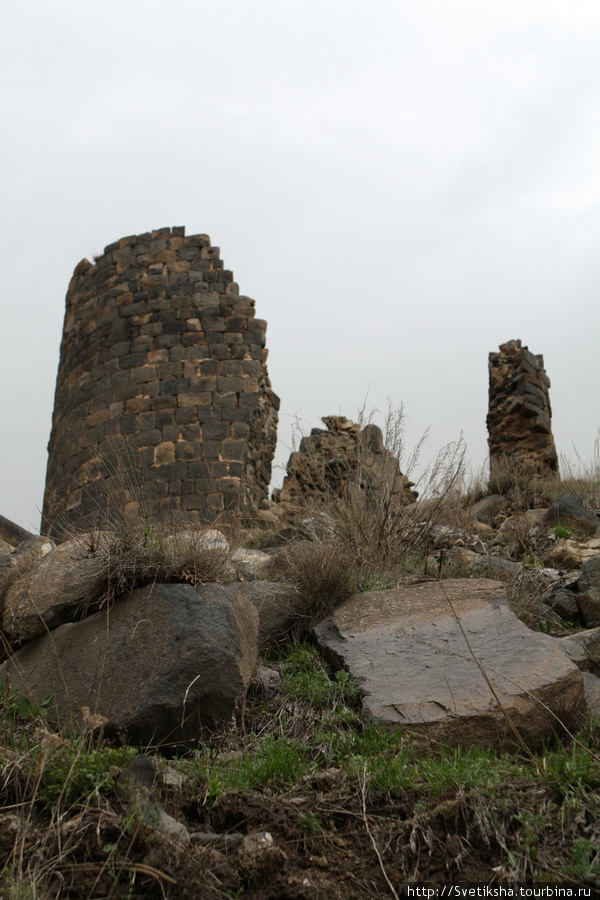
(330, 460)
(519, 414)
(163, 404)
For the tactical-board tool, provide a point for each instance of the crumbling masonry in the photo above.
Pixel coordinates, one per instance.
(163, 404)
(519, 411)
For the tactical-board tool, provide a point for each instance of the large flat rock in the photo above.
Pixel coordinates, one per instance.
(412, 662)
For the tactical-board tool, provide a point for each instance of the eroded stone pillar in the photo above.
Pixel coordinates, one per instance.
(163, 404)
(519, 417)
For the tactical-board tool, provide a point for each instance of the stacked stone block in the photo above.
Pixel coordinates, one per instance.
(163, 404)
(519, 417)
(339, 458)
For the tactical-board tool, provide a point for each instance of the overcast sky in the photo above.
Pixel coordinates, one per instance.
(401, 186)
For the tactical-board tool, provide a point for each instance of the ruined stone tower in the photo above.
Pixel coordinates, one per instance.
(519, 414)
(163, 405)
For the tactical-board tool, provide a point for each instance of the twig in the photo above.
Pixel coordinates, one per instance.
(375, 847)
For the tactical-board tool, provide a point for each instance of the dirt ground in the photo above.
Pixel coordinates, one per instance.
(360, 850)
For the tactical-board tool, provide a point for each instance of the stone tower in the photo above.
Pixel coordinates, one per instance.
(163, 405)
(519, 414)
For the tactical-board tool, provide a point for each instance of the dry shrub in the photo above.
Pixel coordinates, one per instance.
(148, 554)
(378, 530)
(523, 486)
(323, 573)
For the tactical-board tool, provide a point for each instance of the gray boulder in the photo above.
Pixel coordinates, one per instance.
(584, 649)
(278, 606)
(588, 591)
(163, 664)
(569, 511)
(250, 564)
(54, 587)
(11, 533)
(410, 658)
(486, 509)
(564, 602)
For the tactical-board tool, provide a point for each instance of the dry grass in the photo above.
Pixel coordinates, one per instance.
(324, 574)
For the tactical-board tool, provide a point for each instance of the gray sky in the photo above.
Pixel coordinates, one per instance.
(400, 186)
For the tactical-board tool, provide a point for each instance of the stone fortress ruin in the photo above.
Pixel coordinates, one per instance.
(163, 403)
(164, 408)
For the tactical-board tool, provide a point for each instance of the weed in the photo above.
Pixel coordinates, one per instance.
(305, 678)
(561, 531)
(74, 773)
(586, 861)
(310, 822)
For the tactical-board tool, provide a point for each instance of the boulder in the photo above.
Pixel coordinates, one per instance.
(163, 664)
(568, 510)
(564, 603)
(584, 649)
(250, 564)
(486, 509)
(13, 534)
(588, 590)
(591, 684)
(572, 554)
(408, 654)
(279, 606)
(54, 589)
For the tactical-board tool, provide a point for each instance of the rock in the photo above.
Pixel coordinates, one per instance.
(54, 589)
(571, 554)
(139, 782)
(563, 602)
(576, 652)
(279, 607)
(406, 651)
(330, 461)
(250, 564)
(13, 534)
(268, 680)
(565, 554)
(496, 565)
(569, 511)
(584, 648)
(588, 591)
(486, 509)
(591, 684)
(163, 664)
(547, 614)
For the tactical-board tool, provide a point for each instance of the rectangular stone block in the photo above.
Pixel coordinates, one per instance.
(201, 398)
(150, 437)
(230, 383)
(234, 449)
(175, 386)
(186, 451)
(193, 501)
(142, 375)
(203, 383)
(164, 417)
(190, 433)
(199, 469)
(164, 402)
(215, 431)
(184, 415)
(135, 405)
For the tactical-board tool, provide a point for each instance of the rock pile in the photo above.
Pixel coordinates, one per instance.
(519, 414)
(343, 455)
